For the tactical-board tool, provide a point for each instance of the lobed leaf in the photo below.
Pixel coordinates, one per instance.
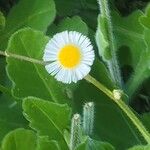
(32, 79)
(48, 119)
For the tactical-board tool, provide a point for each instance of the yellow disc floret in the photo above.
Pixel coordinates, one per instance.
(69, 56)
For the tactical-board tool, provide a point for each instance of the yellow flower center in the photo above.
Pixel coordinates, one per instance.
(69, 56)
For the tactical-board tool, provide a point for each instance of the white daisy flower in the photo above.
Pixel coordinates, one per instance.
(69, 55)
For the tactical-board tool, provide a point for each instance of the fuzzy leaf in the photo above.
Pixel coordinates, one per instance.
(36, 14)
(19, 139)
(102, 39)
(48, 119)
(31, 43)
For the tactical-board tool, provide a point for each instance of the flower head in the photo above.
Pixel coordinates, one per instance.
(69, 56)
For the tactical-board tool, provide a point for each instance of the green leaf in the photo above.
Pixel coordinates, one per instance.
(82, 146)
(106, 43)
(142, 70)
(10, 115)
(2, 71)
(100, 72)
(129, 34)
(90, 144)
(145, 19)
(45, 144)
(140, 147)
(2, 21)
(71, 24)
(146, 120)
(36, 14)
(47, 118)
(19, 139)
(102, 39)
(32, 79)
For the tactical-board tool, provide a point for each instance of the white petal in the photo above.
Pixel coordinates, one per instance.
(62, 73)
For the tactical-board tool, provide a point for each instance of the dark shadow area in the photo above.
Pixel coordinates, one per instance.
(128, 6)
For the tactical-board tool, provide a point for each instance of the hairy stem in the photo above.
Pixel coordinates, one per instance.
(113, 62)
(88, 118)
(75, 132)
(125, 108)
(22, 58)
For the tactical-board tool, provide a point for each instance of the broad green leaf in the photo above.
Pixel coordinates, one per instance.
(129, 34)
(19, 139)
(32, 79)
(2, 21)
(142, 70)
(45, 144)
(10, 115)
(36, 14)
(48, 119)
(71, 24)
(140, 147)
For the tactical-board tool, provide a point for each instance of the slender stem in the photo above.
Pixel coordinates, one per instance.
(113, 62)
(125, 108)
(23, 58)
(88, 118)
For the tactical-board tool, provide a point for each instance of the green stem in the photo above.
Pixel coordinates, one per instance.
(22, 58)
(113, 62)
(125, 108)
